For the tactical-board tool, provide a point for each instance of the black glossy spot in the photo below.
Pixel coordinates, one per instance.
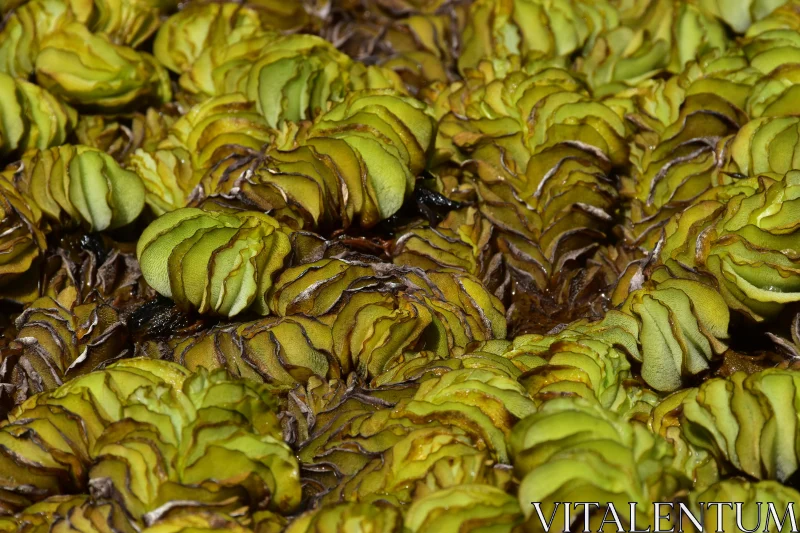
(93, 243)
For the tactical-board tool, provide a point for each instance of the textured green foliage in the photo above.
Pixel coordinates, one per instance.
(320, 406)
(490, 397)
(242, 252)
(542, 151)
(765, 145)
(47, 439)
(62, 338)
(79, 184)
(667, 37)
(675, 165)
(197, 33)
(286, 350)
(291, 77)
(452, 431)
(748, 243)
(488, 355)
(775, 94)
(459, 242)
(122, 22)
(499, 29)
(355, 164)
(184, 36)
(755, 498)
(24, 31)
(365, 316)
(395, 310)
(651, 105)
(349, 518)
(466, 507)
(91, 71)
(771, 43)
(656, 104)
(22, 241)
(9, 5)
(572, 363)
(120, 136)
(216, 441)
(620, 461)
(674, 327)
(167, 175)
(740, 15)
(147, 432)
(679, 324)
(31, 117)
(69, 514)
(747, 423)
(209, 135)
(421, 50)
(83, 277)
(197, 522)
(696, 463)
(406, 265)
(128, 22)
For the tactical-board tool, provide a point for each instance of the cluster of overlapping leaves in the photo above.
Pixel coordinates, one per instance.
(395, 265)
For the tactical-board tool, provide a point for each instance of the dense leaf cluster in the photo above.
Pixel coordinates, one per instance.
(396, 266)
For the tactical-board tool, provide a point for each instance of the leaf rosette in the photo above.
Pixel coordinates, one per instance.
(747, 243)
(378, 312)
(62, 338)
(502, 28)
(23, 240)
(620, 461)
(757, 499)
(746, 423)
(349, 518)
(88, 70)
(220, 132)
(681, 327)
(452, 431)
(283, 351)
(150, 435)
(184, 36)
(572, 363)
(355, 164)
(675, 166)
(32, 117)
(79, 185)
(243, 252)
(466, 507)
(290, 77)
